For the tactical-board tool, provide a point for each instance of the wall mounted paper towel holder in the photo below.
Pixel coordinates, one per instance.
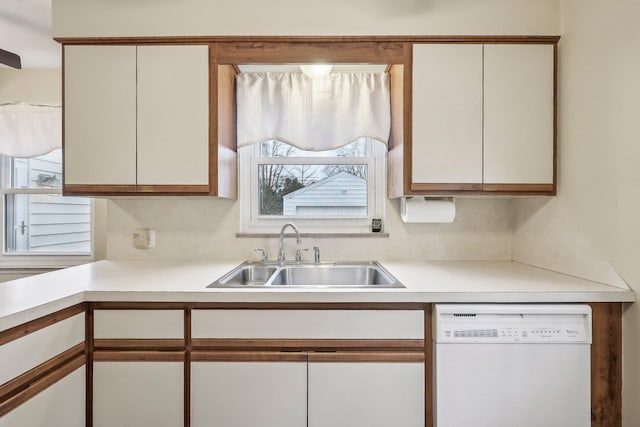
(428, 209)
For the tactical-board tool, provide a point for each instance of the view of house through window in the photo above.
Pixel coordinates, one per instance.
(310, 185)
(37, 218)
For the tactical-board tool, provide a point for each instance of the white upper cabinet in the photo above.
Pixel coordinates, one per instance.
(483, 118)
(447, 108)
(136, 116)
(173, 115)
(100, 115)
(518, 114)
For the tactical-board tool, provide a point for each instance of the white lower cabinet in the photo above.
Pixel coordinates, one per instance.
(60, 405)
(380, 394)
(134, 394)
(298, 394)
(235, 394)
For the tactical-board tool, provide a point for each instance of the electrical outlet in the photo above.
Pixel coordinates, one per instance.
(143, 238)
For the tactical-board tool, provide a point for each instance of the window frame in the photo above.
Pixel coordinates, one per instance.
(249, 157)
(37, 260)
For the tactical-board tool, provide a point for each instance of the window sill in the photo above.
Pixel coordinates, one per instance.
(315, 235)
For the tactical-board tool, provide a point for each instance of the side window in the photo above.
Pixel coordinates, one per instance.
(37, 219)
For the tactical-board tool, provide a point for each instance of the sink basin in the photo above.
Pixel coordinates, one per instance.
(246, 274)
(334, 275)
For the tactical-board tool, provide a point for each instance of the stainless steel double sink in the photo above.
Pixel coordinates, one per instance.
(250, 274)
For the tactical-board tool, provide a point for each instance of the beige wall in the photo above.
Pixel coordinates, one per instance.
(205, 229)
(33, 86)
(596, 214)
(303, 17)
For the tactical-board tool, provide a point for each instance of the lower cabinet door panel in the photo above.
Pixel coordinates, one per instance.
(366, 394)
(134, 394)
(244, 394)
(60, 405)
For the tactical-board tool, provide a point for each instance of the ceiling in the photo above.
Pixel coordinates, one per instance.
(26, 29)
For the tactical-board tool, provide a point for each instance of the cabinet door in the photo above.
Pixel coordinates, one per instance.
(518, 114)
(379, 394)
(447, 116)
(173, 115)
(100, 115)
(138, 394)
(265, 394)
(62, 404)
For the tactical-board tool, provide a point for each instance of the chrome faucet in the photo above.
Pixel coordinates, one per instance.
(281, 257)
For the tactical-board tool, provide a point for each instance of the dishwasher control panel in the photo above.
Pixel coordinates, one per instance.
(531, 324)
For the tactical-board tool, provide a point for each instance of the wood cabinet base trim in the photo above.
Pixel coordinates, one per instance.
(443, 187)
(366, 357)
(248, 356)
(138, 356)
(40, 323)
(307, 345)
(139, 344)
(42, 382)
(519, 188)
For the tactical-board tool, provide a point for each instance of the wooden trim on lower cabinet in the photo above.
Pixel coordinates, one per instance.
(428, 367)
(40, 323)
(22, 382)
(248, 356)
(307, 344)
(141, 344)
(138, 356)
(88, 336)
(306, 306)
(42, 383)
(366, 357)
(606, 365)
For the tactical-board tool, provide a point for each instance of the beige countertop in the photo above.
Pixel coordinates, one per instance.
(430, 281)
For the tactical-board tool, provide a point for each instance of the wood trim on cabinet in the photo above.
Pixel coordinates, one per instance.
(366, 357)
(176, 190)
(20, 383)
(331, 51)
(311, 39)
(307, 344)
(187, 367)
(307, 306)
(40, 323)
(248, 356)
(408, 120)
(88, 333)
(428, 363)
(416, 188)
(141, 344)
(137, 305)
(518, 188)
(41, 384)
(223, 132)
(91, 189)
(555, 119)
(138, 356)
(606, 365)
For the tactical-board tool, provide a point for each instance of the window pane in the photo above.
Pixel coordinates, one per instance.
(47, 223)
(37, 172)
(275, 148)
(313, 190)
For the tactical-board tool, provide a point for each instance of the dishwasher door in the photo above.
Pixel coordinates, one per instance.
(512, 365)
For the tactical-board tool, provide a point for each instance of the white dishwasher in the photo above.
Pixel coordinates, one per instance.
(512, 365)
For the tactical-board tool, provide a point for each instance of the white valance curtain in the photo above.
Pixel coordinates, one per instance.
(313, 113)
(29, 130)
